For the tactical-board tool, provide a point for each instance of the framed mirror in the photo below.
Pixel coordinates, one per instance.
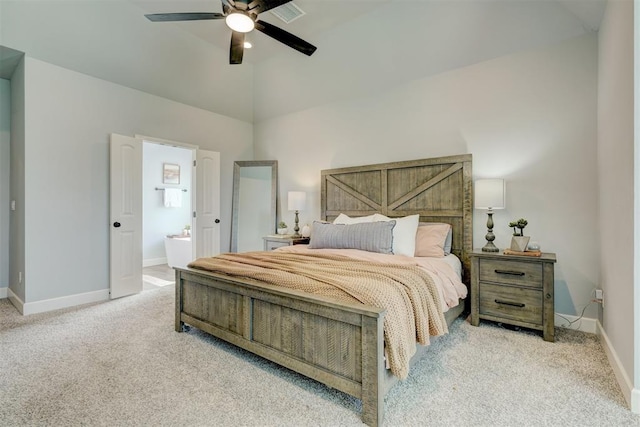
(255, 188)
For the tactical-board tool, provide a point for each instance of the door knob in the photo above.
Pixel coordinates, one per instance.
(217, 221)
(116, 224)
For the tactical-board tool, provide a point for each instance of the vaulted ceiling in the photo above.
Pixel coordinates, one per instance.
(363, 45)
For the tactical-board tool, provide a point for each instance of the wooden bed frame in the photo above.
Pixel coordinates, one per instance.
(338, 344)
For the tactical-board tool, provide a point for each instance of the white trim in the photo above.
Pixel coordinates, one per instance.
(4, 292)
(586, 324)
(64, 302)
(635, 392)
(165, 141)
(15, 300)
(621, 375)
(153, 261)
(635, 401)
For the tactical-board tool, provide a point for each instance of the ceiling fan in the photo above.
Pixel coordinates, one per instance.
(242, 17)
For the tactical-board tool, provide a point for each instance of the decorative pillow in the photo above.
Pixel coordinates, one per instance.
(345, 219)
(449, 239)
(404, 233)
(366, 236)
(430, 239)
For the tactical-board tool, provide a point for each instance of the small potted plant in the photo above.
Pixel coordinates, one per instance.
(187, 230)
(282, 227)
(519, 241)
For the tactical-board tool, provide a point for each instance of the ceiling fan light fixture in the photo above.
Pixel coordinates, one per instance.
(240, 22)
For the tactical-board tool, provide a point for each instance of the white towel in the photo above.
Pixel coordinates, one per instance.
(172, 197)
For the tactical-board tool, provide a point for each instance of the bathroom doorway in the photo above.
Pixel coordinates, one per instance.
(167, 219)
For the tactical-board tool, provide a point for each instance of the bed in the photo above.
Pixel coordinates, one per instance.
(336, 343)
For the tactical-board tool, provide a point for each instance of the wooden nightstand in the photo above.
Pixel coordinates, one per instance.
(274, 242)
(512, 289)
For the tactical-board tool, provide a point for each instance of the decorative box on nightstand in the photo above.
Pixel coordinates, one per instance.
(274, 242)
(513, 289)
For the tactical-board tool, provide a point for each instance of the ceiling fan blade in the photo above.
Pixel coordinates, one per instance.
(236, 51)
(259, 6)
(285, 37)
(189, 16)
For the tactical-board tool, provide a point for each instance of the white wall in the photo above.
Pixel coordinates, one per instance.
(615, 179)
(69, 117)
(529, 118)
(158, 220)
(5, 152)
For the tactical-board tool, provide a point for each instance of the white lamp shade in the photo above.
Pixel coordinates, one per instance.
(489, 194)
(297, 200)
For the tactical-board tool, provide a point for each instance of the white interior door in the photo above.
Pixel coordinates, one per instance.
(125, 216)
(207, 203)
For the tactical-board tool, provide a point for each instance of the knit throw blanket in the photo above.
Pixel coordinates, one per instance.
(409, 295)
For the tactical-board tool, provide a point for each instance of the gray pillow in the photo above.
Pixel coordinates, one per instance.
(366, 236)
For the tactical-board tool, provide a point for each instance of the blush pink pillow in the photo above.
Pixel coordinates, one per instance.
(430, 240)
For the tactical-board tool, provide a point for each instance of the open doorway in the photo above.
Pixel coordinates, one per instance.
(167, 220)
(126, 207)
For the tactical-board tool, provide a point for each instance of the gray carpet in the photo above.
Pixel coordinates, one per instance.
(121, 364)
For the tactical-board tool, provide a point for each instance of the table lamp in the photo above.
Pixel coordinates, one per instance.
(297, 201)
(489, 195)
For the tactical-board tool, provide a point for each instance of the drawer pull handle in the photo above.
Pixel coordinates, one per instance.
(511, 273)
(513, 304)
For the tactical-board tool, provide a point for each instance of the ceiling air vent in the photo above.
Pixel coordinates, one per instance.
(288, 12)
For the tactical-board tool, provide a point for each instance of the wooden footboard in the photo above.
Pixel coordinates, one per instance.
(340, 345)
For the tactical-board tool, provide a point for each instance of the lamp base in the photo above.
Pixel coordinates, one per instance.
(296, 229)
(490, 247)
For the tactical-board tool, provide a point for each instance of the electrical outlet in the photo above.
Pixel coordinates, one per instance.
(600, 296)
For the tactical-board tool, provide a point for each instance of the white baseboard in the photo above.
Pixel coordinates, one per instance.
(635, 401)
(63, 302)
(4, 292)
(586, 324)
(631, 395)
(153, 261)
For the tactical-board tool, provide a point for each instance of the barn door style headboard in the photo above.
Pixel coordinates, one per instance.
(438, 189)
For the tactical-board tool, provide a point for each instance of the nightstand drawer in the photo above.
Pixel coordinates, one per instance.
(511, 272)
(510, 302)
(273, 242)
(271, 245)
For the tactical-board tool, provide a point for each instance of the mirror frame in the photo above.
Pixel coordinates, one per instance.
(236, 195)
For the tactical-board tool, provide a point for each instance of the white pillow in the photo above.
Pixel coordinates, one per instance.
(345, 219)
(404, 233)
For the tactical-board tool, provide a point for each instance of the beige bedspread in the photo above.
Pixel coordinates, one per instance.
(408, 293)
(448, 282)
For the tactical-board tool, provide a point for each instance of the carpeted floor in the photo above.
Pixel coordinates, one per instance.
(120, 363)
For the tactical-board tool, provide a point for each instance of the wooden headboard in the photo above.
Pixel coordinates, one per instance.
(438, 189)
